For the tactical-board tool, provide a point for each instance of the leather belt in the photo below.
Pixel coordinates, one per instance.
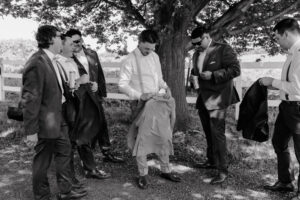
(294, 103)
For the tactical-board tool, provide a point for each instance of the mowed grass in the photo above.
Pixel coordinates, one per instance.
(252, 164)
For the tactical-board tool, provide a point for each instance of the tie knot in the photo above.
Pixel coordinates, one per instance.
(55, 58)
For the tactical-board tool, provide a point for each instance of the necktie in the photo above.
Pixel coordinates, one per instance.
(81, 68)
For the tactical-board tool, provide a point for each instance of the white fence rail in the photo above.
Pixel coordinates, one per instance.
(4, 88)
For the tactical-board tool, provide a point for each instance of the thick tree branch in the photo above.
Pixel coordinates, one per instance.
(131, 9)
(232, 15)
(197, 7)
(264, 21)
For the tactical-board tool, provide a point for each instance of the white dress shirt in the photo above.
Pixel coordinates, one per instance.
(68, 65)
(83, 60)
(151, 75)
(53, 59)
(292, 86)
(201, 60)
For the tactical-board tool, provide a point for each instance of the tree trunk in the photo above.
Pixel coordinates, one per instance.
(172, 57)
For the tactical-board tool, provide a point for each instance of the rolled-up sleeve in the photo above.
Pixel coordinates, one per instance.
(126, 72)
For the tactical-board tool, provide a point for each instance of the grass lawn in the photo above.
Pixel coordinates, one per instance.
(252, 164)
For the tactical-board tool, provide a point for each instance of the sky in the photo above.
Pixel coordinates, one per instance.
(21, 28)
(12, 28)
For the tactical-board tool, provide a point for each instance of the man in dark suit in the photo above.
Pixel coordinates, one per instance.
(44, 123)
(214, 65)
(287, 125)
(88, 64)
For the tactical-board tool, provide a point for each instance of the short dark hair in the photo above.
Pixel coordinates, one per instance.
(149, 36)
(45, 35)
(72, 32)
(199, 31)
(287, 24)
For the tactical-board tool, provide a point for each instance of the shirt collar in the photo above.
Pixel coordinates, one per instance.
(295, 47)
(49, 54)
(139, 53)
(80, 53)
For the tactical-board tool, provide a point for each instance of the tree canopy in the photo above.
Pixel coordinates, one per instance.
(242, 23)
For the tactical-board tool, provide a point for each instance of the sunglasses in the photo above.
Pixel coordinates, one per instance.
(197, 43)
(76, 41)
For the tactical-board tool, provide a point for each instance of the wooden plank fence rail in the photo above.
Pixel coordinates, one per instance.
(191, 100)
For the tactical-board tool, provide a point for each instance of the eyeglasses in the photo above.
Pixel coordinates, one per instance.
(76, 41)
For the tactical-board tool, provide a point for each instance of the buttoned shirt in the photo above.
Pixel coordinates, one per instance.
(83, 60)
(150, 71)
(53, 59)
(290, 87)
(69, 66)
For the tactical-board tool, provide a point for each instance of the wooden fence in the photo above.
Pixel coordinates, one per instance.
(191, 100)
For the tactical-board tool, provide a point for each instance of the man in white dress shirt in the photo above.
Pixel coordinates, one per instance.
(141, 79)
(287, 125)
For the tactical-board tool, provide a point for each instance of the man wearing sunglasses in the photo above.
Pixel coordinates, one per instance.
(89, 65)
(215, 64)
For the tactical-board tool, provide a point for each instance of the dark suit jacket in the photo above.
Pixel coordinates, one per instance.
(88, 113)
(219, 92)
(41, 97)
(253, 116)
(96, 72)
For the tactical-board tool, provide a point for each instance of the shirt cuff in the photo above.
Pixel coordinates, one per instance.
(276, 84)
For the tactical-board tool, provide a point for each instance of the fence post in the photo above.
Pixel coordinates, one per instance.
(238, 86)
(2, 93)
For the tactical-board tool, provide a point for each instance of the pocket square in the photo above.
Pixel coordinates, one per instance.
(212, 62)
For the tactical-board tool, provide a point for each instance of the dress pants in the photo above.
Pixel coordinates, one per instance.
(143, 166)
(87, 157)
(45, 150)
(213, 123)
(287, 126)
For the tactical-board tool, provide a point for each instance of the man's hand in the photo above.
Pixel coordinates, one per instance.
(94, 86)
(168, 94)
(266, 81)
(31, 140)
(146, 96)
(206, 75)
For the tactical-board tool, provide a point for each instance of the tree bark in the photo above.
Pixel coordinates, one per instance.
(172, 57)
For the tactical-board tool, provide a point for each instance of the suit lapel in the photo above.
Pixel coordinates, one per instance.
(210, 52)
(92, 63)
(49, 63)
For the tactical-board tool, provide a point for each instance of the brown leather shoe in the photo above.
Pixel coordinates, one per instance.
(142, 182)
(220, 178)
(280, 187)
(97, 174)
(170, 177)
(71, 195)
(205, 165)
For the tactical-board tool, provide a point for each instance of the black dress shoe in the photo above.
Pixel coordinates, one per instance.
(205, 165)
(113, 159)
(98, 174)
(280, 187)
(296, 197)
(142, 182)
(220, 178)
(170, 177)
(71, 195)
